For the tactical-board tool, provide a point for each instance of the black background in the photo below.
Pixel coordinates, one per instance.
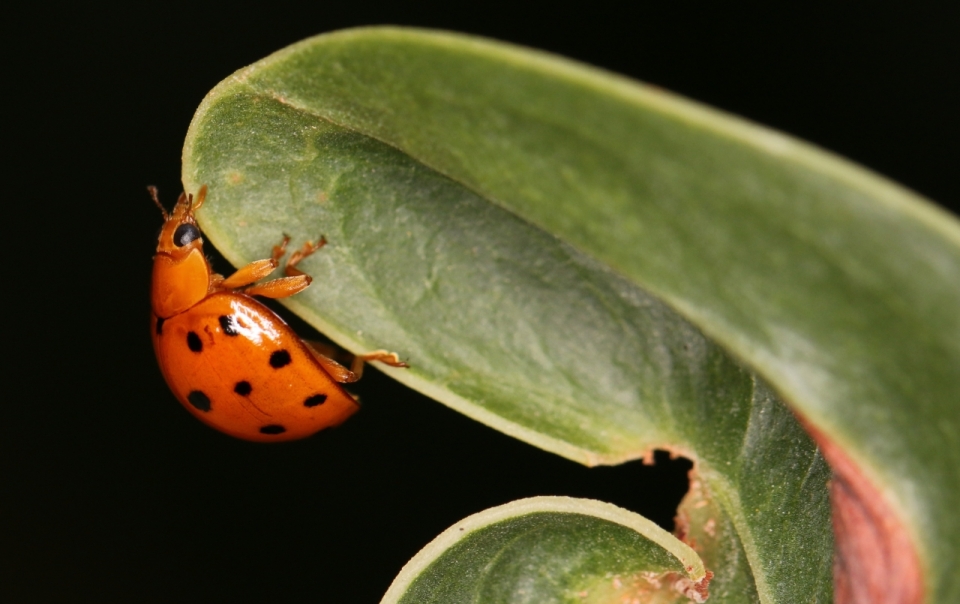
(111, 491)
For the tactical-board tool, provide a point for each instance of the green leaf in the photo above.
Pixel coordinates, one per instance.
(551, 549)
(525, 230)
(513, 327)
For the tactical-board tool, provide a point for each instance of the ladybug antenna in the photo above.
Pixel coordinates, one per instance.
(156, 200)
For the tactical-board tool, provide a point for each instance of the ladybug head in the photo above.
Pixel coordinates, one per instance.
(179, 229)
(181, 273)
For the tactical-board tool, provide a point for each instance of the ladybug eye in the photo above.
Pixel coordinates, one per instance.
(185, 233)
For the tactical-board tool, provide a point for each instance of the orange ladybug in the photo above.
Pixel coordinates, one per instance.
(230, 360)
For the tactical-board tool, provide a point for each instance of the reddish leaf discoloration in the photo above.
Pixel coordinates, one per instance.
(700, 591)
(875, 561)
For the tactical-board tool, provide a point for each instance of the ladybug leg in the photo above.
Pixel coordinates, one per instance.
(279, 288)
(356, 361)
(257, 270)
(322, 352)
(387, 358)
(250, 273)
(296, 280)
(307, 249)
(280, 249)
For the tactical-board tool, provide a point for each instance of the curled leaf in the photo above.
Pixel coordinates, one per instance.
(547, 244)
(552, 549)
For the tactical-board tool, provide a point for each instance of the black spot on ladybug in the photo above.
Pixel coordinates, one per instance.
(243, 388)
(193, 342)
(199, 400)
(273, 429)
(316, 399)
(228, 325)
(160, 325)
(279, 359)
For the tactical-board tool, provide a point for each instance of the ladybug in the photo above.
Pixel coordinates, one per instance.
(230, 360)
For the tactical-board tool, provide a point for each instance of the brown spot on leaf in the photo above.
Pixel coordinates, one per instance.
(697, 592)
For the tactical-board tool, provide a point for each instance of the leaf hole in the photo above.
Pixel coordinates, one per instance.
(651, 489)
